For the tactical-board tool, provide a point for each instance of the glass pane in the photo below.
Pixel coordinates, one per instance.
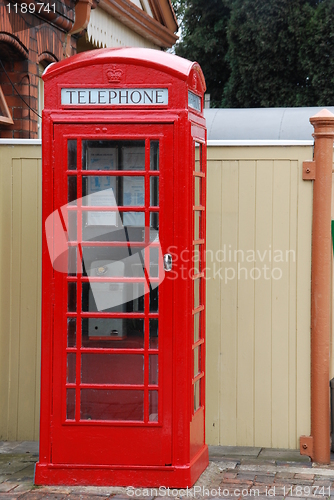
(72, 225)
(108, 219)
(99, 191)
(103, 332)
(197, 326)
(113, 155)
(153, 406)
(100, 155)
(197, 360)
(112, 369)
(198, 157)
(154, 191)
(133, 155)
(112, 405)
(154, 226)
(72, 154)
(71, 332)
(197, 225)
(197, 395)
(113, 297)
(114, 261)
(154, 298)
(107, 191)
(72, 189)
(70, 404)
(197, 292)
(198, 191)
(72, 261)
(71, 297)
(154, 331)
(133, 191)
(154, 369)
(154, 155)
(197, 264)
(154, 262)
(133, 218)
(108, 226)
(71, 357)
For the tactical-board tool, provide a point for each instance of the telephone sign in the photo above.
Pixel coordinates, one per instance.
(103, 97)
(123, 321)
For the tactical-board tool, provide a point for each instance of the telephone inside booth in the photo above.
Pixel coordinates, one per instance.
(118, 261)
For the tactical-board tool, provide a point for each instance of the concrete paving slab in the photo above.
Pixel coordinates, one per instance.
(73, 496)
(52, 489)
(33, 495)
(256, 461)
(98, 490)
(227, 464)
(27, 447)
(282, 455)
(24, 486)
(6, 487)
(239, 451)
(19, 447)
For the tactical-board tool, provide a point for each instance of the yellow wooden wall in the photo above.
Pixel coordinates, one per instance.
(20, 290)
(258, 330)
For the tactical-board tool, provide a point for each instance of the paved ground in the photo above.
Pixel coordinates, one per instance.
(233, 473)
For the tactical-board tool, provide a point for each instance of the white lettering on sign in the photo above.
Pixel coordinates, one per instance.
(116, 97)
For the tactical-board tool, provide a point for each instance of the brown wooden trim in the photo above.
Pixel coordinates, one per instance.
(139, 21)
(58, 19)
(6, 117)
(164, 13)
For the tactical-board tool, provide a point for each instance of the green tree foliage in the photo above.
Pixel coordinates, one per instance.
(261, 53)
(264, 40)
(317, 55)
(204, 40)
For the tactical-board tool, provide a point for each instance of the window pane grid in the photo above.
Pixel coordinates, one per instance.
(198, 275)
(149, 173)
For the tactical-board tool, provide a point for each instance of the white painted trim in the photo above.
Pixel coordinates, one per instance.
(235, 143)
(256, 142)
(18, 142)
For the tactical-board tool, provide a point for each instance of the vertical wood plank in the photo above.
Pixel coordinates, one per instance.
(29, 294)
(39, 300)
(213, 301)
(5, 283)
(245, 369)
(291, 260)
(262, 360)
(304, 243)
(229, 290)
(280, 305)
(15, 292)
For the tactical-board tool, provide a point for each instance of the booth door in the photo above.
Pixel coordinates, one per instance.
(113, 305)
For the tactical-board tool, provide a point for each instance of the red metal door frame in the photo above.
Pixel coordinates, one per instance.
(98, 442)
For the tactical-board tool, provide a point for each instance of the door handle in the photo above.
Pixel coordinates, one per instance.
(168, 262)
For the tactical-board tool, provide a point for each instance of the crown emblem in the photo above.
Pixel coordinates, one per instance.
(114, 74)
(195, 80)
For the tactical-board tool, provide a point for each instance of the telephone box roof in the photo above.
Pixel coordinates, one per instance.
(163, 61)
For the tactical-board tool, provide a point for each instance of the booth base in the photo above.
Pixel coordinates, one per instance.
(138, 476)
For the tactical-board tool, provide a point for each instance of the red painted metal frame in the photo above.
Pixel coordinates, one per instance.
(179, 463)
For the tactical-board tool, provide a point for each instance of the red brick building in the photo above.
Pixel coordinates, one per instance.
(35, 34)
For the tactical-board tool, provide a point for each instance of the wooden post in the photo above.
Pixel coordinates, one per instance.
(317, 446)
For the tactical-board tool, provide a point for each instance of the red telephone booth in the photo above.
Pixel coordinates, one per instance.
(123, 340)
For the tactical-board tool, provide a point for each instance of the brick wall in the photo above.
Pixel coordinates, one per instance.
(25, 42)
